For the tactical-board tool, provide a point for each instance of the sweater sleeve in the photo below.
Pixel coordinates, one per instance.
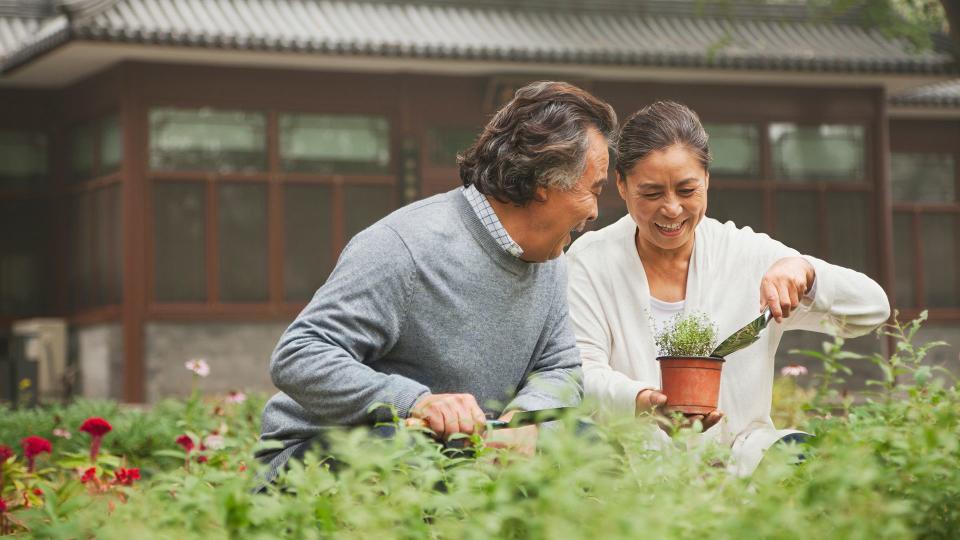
(846, 303)
(555, 380)
(614, 391)
(353, 319)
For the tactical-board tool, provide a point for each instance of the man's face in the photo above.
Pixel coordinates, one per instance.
(564, 211)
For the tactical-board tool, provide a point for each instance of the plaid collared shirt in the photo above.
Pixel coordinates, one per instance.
(481, 206)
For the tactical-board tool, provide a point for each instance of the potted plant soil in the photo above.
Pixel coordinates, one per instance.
(689, 376)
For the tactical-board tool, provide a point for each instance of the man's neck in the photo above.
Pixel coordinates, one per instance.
(516, 221)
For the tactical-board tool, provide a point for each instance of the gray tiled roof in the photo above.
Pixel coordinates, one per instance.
(651, 33)
(943, 94)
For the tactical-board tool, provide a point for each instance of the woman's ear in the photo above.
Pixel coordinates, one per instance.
(621, 185)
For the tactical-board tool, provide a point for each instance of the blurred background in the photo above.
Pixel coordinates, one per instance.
(177, 177)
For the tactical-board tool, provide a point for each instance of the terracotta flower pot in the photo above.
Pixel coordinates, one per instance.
(692, 384)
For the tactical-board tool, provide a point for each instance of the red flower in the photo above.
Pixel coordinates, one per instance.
(201, 459)
(126, 476)
(5, 453)
(34, 446)
(242, 467)
(3, 506)
(38, 492)
(186, 442)
(89, 475)
(96, 426)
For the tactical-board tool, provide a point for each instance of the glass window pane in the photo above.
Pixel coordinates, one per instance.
(207, 140)
(307, 247)
(848, 220)
(825, 152)
(745, 208)
(903, 251)
(334, 143)
(23, 160)
(940, 271)
(922, 177)
(242, 231)
(446, 143)
(81, 152)
(365, 205)
(735, 149)
(111, 144)
(108, 275)
(22, 257)
(82, 216)
(179, 242)
(796, 220)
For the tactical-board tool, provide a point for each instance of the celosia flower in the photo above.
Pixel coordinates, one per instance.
(235, 397)
(198, 366)
(186, 442)
(62, 433)
(793, 370)
(89, 475)
(213, 442)
(201, 459)
(125, 476)
(38, 492)
(34, 446)
(5, 453)
(3, 506)
(96, 427)
(242, 467)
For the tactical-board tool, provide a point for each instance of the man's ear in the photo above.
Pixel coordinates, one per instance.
(540, 194)
(706, 181)
(621, 185)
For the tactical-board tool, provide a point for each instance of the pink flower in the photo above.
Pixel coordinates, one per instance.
(198, 366)
(34, 446)
(96, 427)
(213, 442)
(235, 397)
(62, 433)
(186, 442)
(793, 370)
(125, 477)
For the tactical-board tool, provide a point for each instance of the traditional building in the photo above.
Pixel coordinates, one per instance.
(177, 177)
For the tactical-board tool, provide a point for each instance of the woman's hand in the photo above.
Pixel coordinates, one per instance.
(784, 284)
(656, 402)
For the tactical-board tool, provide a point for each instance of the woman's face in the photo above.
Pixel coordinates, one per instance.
(666, 194)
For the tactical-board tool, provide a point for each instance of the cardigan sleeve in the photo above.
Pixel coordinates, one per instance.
(846, 303)
(613, 390)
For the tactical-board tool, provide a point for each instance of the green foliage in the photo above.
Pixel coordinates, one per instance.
(687, 335)
(884, 469)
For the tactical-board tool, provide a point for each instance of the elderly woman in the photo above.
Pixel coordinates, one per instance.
(667, 257)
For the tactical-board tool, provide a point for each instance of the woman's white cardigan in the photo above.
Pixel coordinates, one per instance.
(610, 308)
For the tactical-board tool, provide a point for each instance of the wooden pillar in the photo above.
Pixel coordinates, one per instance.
(133, 118)
(884, 204)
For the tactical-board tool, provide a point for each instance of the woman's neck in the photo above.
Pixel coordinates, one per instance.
(663, 258)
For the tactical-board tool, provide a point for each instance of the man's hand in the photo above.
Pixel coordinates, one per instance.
(656, 402)
(784, 284)
(522, 440)
(446, 414)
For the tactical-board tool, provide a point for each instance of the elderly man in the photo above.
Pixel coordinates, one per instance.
(454, 307)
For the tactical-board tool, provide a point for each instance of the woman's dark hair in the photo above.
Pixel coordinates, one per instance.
(537, 139)
(659, 126)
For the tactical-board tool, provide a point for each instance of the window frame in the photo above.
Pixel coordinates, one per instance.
(275, 179)
(926, 137)
(770, 187)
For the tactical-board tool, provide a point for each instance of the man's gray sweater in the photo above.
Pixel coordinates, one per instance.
(422, 301)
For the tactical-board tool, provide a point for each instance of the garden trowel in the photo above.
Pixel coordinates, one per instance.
(743, 337)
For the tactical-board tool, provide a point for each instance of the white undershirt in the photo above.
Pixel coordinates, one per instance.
(662, 312)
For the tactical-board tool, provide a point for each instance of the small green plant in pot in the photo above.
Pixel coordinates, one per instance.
(689, 376)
